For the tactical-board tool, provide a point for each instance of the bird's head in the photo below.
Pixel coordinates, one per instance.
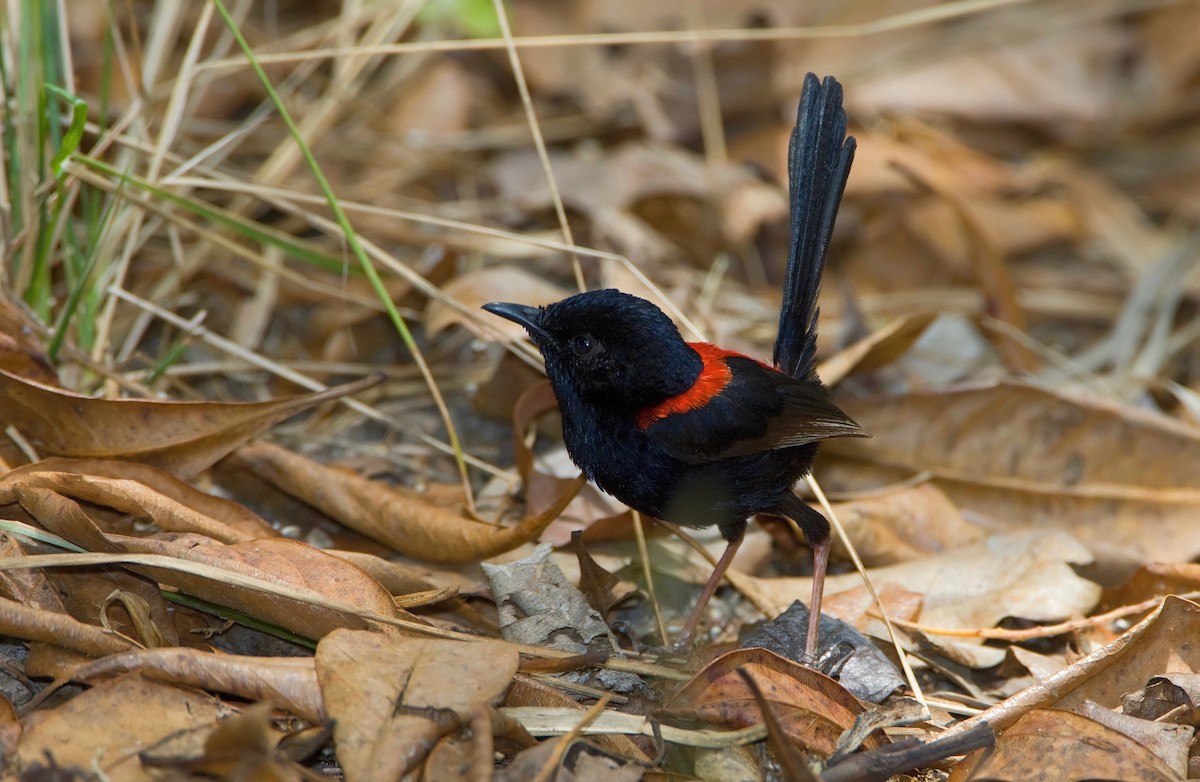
(608, 347)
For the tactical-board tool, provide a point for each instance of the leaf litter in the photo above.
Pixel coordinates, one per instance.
(1010, 312)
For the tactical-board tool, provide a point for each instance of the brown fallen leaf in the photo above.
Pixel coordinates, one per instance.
(1155, 579)
(855, 606)
(372, 508)
(290, 564)
(244, 746)
(1021, 454)
(1053, 744)
(464, 756)
(293, 566)
(918, 428)
(118, 715)
(597, 584)
(392, 698)
(53, 627)
(32, 588)
(183, 438)
(137, 500)
(902, 525)
(399, 578)
(793, 764)
(1026, 575)
(812, 708)
(1167, 741)
(288, 682)
(228, 512)
(1008, 225)
(1149, 649)
(436, 100)
(10, 728)
(1163, 695)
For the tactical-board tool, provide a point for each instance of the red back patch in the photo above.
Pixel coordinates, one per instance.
(714, 375)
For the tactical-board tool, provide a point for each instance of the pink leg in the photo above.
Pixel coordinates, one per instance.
(820, 562)
(714, 581)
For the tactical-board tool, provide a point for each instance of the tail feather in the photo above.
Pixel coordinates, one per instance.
(819, 158)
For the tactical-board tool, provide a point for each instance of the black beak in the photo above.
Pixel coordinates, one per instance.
(519, 313)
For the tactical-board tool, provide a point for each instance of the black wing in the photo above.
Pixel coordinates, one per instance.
(759, 410)
(819, 158)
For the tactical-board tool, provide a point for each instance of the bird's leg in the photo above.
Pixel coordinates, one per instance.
(820, 563)
(714, 581)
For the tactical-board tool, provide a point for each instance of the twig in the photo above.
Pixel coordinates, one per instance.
(1041, 631)
(885, 762)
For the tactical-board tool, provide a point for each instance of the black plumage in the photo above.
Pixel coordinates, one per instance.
(691, 433)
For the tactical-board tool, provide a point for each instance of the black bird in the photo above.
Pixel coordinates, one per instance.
(688, 432)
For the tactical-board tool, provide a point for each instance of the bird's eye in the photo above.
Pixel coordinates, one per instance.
(582, 344)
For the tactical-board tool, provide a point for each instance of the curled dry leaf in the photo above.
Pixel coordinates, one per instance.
(232, 514)
(288, 682)
(1080, 748)
(183, 438)
(598, 585)
(1151, 648)
(187, 511)
(812, 708)
(298, 570)
(374, 509)
(392, 698)
(1167, 741)
(1018, 453)
(144, 612)
(1162, 695)
(471, 290)
(146, 620)
(1154, 651)
(406, 582)
(398, 578)
(54, 627)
